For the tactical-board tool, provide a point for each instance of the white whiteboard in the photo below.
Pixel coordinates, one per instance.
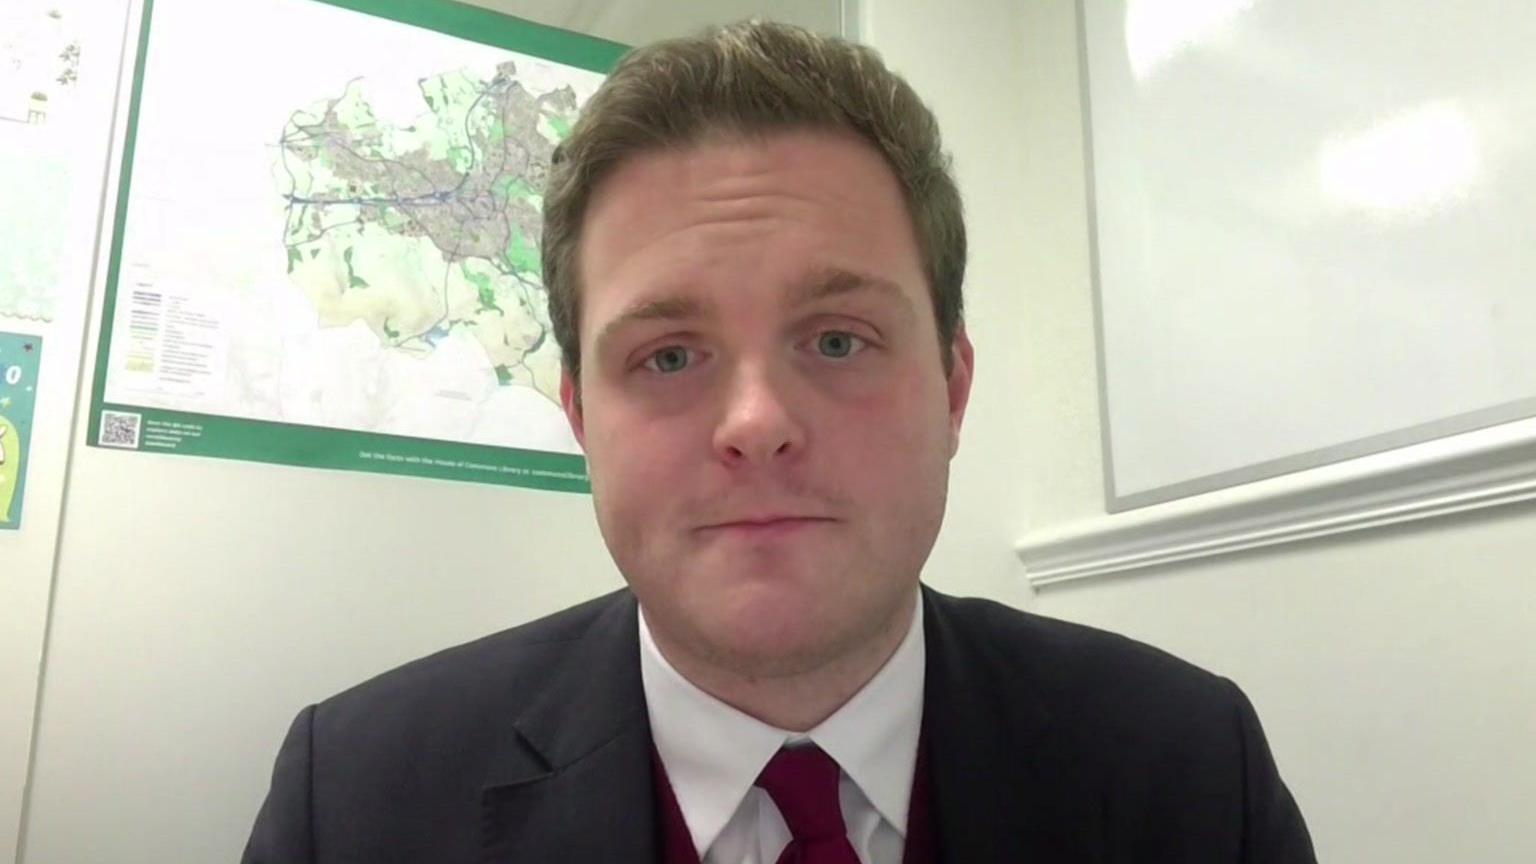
(1315, 231)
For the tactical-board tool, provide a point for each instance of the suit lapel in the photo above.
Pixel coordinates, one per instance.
(999, 791)
(572, 778)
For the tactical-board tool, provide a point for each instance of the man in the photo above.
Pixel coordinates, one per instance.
(754, 253)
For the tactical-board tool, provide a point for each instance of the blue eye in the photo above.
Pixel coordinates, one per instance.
(838, 344)
(673, 358)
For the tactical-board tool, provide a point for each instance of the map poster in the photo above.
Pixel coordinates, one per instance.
(326, 249)
(19, 359)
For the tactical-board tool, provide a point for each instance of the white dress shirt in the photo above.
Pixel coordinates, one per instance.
(713, 754)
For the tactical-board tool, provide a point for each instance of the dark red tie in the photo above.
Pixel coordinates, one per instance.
(802, 782)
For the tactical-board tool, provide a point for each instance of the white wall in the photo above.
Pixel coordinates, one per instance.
(70, 151)
(200, 603)
(1395, 672)
(27, 564)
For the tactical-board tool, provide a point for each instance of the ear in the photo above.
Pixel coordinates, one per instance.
(962, 367)
(570, 402)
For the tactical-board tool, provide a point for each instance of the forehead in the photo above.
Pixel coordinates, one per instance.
(745, 214)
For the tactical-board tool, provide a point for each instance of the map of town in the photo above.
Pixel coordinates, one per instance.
(425, 228)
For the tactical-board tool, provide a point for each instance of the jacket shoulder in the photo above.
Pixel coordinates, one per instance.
(1091, 677)
(492, 675)
(1153, 755)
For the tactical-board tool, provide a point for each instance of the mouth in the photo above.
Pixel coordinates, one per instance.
(767, 527)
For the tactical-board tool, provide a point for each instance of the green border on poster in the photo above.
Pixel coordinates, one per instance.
(320, 447)
(160, 431)
(19, 376)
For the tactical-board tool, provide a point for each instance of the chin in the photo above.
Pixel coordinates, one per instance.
(769, 612)
(774, 629)
(762, 654)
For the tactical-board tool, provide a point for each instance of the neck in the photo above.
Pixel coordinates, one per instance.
(800, 701)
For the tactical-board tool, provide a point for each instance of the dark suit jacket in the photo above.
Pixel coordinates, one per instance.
(1051, 742)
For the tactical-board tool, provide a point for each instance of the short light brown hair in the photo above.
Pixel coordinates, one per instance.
(747, 79)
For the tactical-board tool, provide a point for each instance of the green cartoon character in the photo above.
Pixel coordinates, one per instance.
(19, 357)
(10, 467)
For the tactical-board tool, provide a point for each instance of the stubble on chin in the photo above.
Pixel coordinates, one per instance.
(736, 651)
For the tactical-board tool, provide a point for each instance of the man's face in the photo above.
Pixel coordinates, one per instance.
(766, 416)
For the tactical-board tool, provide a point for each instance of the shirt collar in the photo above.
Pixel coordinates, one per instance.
(713, 752)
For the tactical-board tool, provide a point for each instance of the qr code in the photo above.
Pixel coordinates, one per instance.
(120, 430)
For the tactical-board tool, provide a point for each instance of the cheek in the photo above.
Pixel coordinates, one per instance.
(634, 465)
(902, 419)
(899, 449)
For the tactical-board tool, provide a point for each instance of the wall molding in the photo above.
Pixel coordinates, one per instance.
(1486, 468)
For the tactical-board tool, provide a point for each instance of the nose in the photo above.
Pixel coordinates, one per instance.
(759, 423)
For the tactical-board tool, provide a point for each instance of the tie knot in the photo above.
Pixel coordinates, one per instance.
(802, 782)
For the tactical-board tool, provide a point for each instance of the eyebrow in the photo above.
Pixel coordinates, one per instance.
(836, 282)
(659, 309)
(819, 285)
